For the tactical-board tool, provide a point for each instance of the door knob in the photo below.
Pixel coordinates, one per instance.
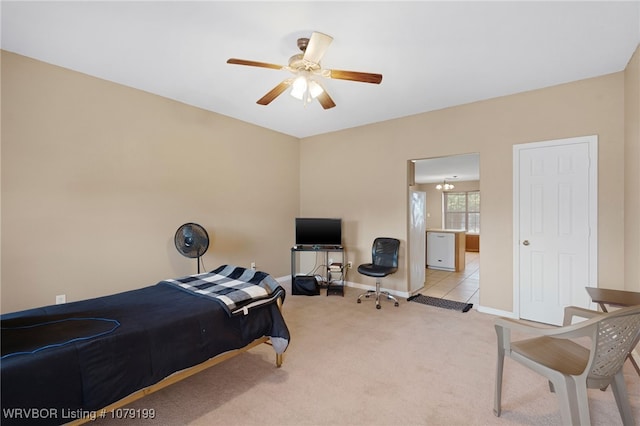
(525, 243)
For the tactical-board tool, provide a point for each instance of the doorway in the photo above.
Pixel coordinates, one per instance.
(463, 286)
(463, 172)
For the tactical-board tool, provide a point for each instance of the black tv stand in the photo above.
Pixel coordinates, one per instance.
(334, 274)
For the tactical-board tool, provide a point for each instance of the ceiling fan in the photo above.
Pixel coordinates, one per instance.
(306, 67)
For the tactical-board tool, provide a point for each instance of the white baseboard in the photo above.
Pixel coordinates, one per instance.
(403, 294)
(287, 280)
(496, 312)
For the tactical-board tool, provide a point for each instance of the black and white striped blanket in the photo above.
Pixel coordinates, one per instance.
(237, 289)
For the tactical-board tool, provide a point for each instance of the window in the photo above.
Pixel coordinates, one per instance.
(462, 211)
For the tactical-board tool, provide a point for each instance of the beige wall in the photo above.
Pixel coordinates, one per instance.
(97, 177)
(370, 172)
(632, 173)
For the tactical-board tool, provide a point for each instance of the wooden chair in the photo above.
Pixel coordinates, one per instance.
(569, 366)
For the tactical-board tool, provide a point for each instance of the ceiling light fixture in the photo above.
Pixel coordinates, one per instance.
(305, 88)
(445, 186)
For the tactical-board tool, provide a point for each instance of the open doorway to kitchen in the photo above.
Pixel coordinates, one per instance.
(463, 286)
(452, 188)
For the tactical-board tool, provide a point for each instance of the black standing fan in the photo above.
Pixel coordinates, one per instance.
(192, 241)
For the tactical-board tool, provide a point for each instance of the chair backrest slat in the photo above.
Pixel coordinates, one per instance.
(615, 337)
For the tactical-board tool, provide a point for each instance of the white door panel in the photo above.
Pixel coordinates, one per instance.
(417, 239)
(554, 245)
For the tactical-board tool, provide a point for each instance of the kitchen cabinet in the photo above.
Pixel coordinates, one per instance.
(473, 242)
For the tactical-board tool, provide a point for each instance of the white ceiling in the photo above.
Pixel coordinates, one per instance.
(432, 55)
(455, 168)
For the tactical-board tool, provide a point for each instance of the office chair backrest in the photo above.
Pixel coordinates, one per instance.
(385, 252)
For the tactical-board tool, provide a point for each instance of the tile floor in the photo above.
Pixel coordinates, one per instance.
(459, 286)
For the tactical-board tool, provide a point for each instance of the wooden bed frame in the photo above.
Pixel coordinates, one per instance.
(180, 375)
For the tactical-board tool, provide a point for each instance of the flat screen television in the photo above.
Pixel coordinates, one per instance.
(318, 231)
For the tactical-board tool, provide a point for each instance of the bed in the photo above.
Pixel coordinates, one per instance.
(66, 363)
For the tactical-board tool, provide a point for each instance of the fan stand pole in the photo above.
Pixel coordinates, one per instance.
(198, 260)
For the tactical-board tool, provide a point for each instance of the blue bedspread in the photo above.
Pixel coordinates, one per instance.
(161, 330)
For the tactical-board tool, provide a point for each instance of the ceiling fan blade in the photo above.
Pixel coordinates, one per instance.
(274, 93)
(254, 63)
(318, 45)
(364, 77)
(325, 100)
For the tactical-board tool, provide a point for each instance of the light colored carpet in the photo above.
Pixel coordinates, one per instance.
(351, 364)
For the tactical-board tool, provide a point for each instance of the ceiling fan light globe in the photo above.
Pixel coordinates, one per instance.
(315, 89)
(299, 87)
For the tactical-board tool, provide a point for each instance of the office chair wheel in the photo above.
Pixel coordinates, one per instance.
(396, 304)
(378, 306)
(359, 301)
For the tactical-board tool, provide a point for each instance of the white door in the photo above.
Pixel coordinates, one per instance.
(555, 226)
(417, 239)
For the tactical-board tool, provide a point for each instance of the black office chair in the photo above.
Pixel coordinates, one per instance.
(384, 254)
